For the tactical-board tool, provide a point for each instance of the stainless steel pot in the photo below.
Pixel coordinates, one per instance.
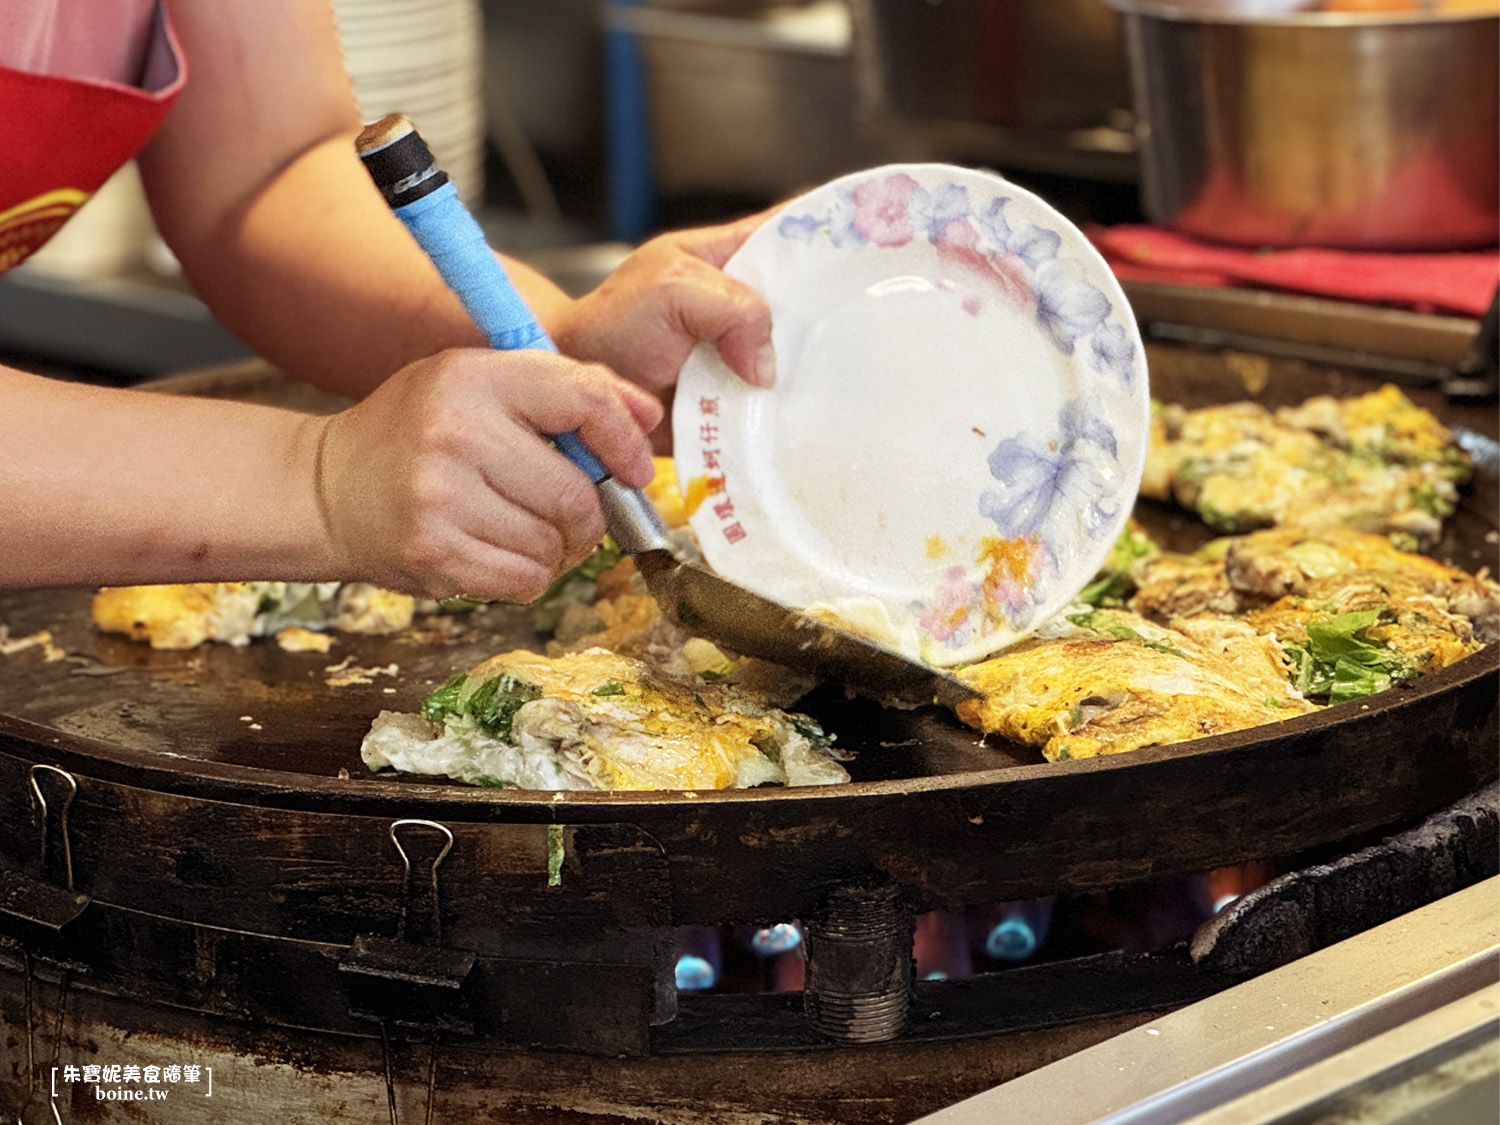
(1026, 64)
(1355, 131)
(1037, 85)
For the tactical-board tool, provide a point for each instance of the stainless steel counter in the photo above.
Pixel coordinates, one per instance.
(1400, 1024)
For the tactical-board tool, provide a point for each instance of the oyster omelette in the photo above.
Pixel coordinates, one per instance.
(1249, 630)
(1316, 600)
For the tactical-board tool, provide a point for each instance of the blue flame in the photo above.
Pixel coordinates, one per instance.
(783, 937)
(695, 973)
(1012, 939)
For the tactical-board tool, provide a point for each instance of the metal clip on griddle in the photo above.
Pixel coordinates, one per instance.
(417, 986)
(428, 204)
(35, 910)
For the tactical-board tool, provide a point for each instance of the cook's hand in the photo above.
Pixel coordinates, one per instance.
(668, 295)
(441, 481)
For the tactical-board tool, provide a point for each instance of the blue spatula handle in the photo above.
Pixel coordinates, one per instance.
(426, 201)
(420, 194)
(444, 228)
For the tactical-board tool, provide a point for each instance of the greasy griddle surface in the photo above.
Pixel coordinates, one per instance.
(260, 707)
(255, 705)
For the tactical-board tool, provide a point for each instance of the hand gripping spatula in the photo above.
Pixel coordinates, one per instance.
(706, 604)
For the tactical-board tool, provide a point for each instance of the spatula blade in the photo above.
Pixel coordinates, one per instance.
(756, 626)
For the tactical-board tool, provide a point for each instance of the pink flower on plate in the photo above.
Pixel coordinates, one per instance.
(1011, 576)
(946, 618)
(881, 209)
(978, 277)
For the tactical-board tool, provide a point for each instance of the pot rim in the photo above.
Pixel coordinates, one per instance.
(1165, 10)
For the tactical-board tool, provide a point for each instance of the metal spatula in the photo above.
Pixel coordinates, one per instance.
(424, 199)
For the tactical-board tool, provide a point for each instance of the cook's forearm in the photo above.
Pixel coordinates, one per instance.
(314, 272)
(317, 275)
(117, 487)
(254, 182)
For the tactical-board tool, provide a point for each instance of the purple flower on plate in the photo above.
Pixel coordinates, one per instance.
(1052, 490)
(933, 211)
(1035, 245)
(1068, 307)
(840, 223)
(843, 225)
(1083, 420)
(1112, 352)
(882, 211)
(800, 228)
(992, 223)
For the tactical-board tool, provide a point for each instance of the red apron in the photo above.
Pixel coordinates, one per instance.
(60, 138)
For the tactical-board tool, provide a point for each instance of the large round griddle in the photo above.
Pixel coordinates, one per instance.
(224, 787)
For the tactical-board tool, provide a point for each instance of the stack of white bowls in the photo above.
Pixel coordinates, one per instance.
(422, 58)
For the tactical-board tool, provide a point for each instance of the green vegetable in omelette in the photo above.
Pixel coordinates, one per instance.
(1341, 661)
(492, 705)
(1105, 625)
(1113, 584)
(444, 701)
(575, 585)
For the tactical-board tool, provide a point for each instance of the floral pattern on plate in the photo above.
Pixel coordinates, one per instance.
(1054, 489)
(892, 210)
(1027, 515)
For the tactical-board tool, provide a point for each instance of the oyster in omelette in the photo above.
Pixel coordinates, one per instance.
(1102, 681)
(1375, 462)
(1249, 630)
(599, 720)
(623, 699)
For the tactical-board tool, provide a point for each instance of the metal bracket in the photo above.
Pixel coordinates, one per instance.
(417, 988)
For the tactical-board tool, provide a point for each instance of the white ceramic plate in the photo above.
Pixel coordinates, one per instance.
(960, 420)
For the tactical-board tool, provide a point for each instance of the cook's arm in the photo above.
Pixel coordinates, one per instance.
(104, 486)
(255, 185)
(437, 483)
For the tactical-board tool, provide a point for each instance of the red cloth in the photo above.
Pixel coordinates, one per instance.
(1461, 283)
